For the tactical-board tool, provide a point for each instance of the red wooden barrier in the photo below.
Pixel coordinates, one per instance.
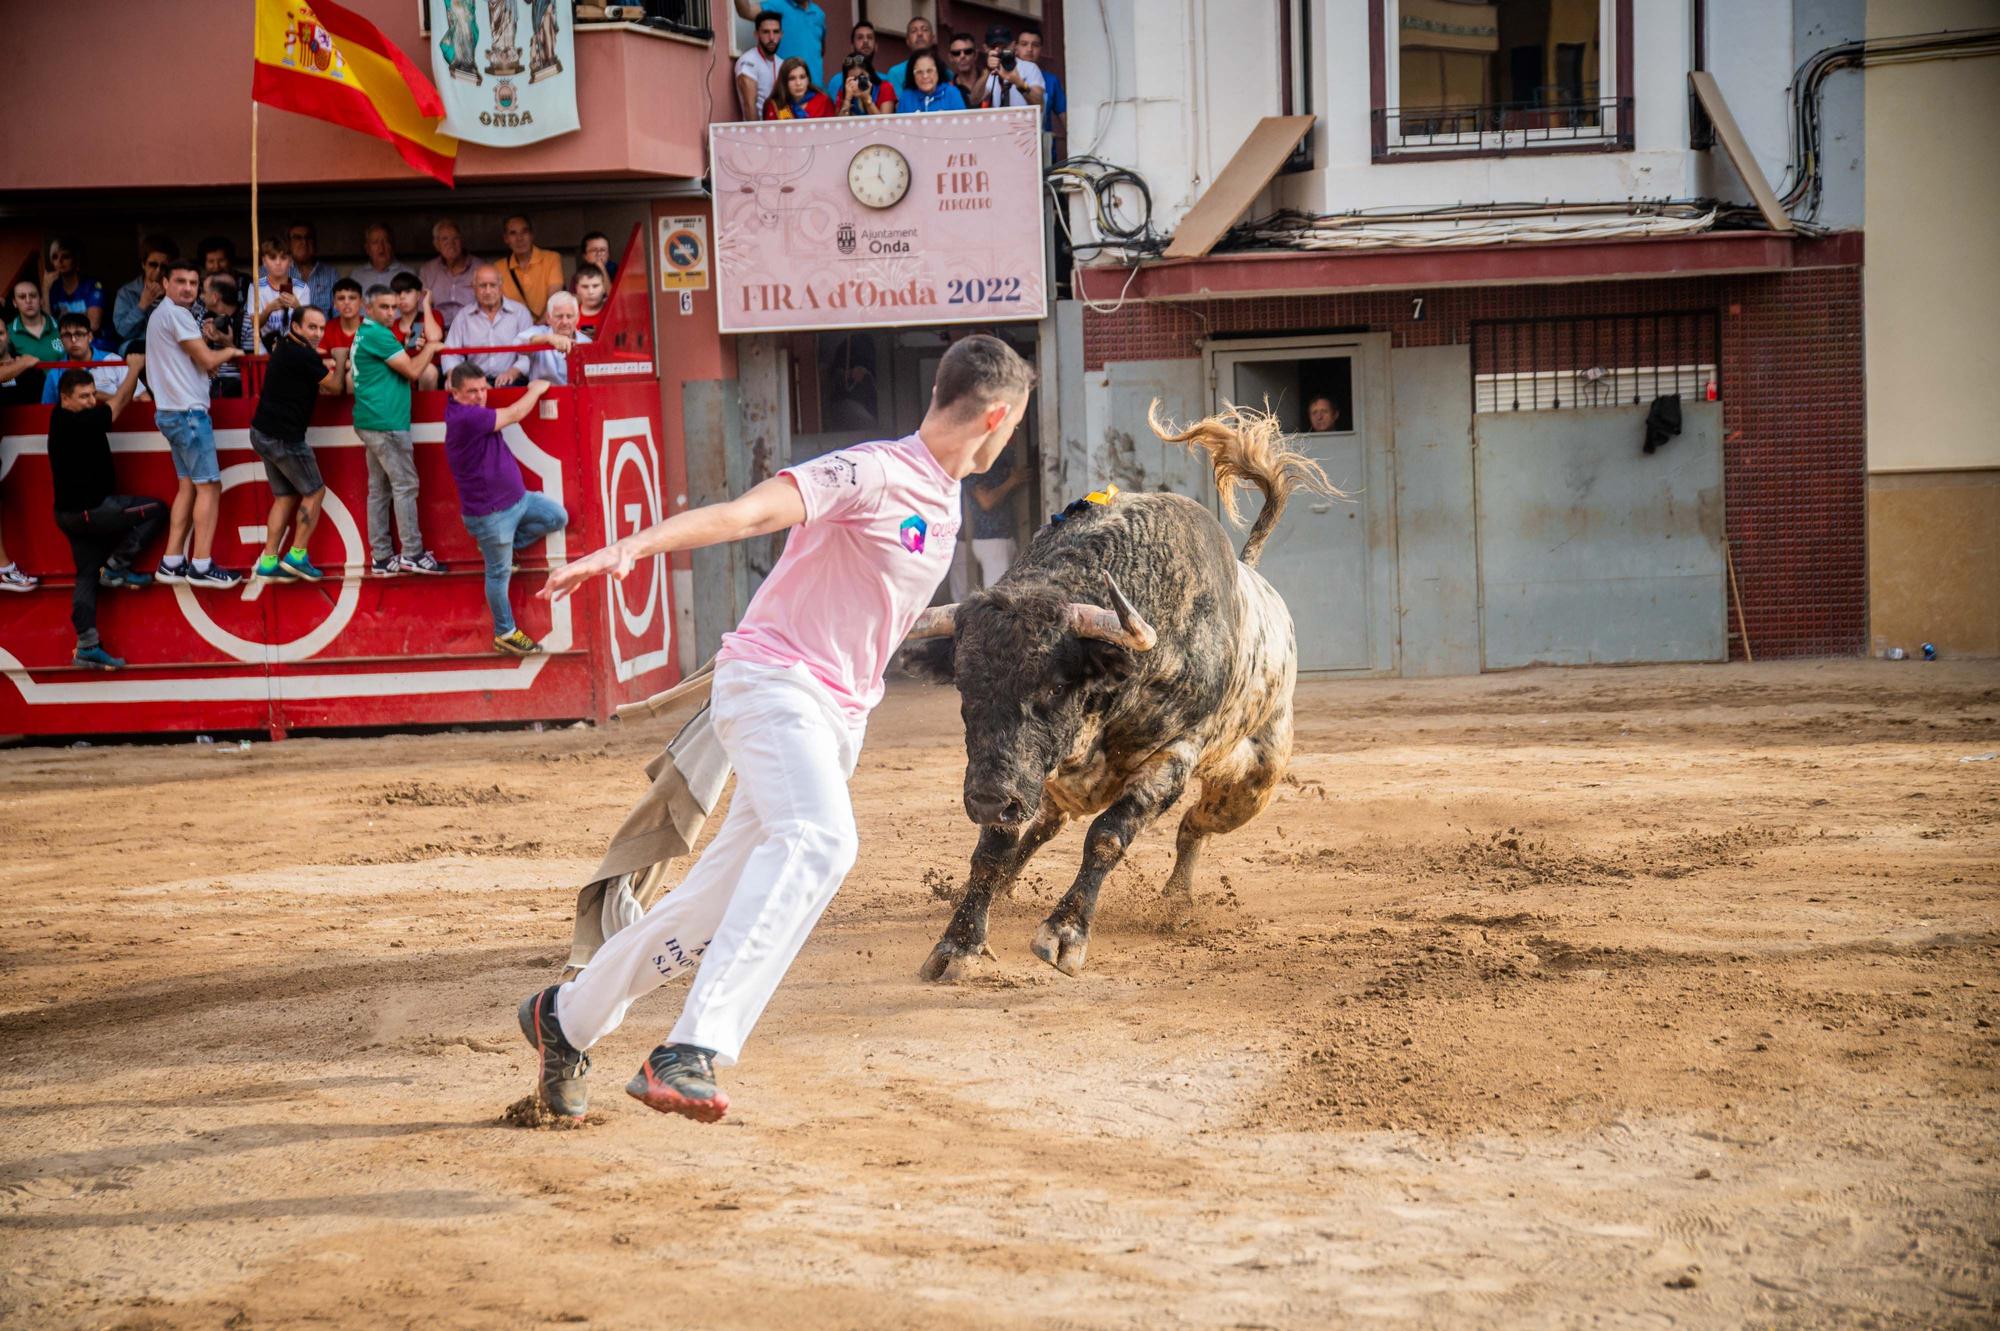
(353, 650)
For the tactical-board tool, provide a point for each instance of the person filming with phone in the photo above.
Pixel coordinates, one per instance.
(1010, 80)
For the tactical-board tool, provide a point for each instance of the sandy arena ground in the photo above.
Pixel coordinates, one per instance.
(1554, 999)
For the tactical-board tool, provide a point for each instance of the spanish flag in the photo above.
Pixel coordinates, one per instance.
(325, 61)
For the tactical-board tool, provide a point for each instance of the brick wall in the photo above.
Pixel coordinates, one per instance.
(1794, 416)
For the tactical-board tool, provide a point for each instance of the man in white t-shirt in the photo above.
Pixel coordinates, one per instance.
(179, 361)
(794, 684)
(1010, 80)
(757, 68)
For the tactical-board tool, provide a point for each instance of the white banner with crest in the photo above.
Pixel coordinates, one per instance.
(505, 68)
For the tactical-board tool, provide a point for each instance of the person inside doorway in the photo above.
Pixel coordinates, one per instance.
(994, 511)
(1322, 416)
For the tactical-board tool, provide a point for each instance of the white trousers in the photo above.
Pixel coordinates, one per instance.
(745, 909)
(994, 555)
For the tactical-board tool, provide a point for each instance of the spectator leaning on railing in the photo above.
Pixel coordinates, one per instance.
(75, 334)
(294, 381)
(757, 68)
(796, 97)
(502, 514)
(181, 361)
(492, 321)
(560, 334)
(925, 90)
(383, 373)
(416, 322)
(136, 299)
(337, 346)
(448, 275)
(106, 530)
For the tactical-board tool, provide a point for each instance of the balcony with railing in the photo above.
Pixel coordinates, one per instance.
(1503, 128)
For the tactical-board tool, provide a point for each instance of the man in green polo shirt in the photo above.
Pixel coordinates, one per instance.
(383, 373)
(33, 332)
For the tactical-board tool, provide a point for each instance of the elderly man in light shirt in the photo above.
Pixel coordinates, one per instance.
(448, 276)
(559, 334)
(491, 321)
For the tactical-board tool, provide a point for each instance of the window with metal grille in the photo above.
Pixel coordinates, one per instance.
(1611, 360)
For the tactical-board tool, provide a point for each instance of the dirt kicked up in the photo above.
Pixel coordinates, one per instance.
(1606, 998)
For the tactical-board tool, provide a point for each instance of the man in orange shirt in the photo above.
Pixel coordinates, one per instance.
(528, 274)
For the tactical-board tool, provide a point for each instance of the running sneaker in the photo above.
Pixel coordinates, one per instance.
(423, 563)
(270, 570)
(173, 575)
(516, 643)
(13, 580)
(215, 576)
(96, 658)
(563, 1067)
(131, 579)
(300, 567)
(388, 566)
(679, 1079)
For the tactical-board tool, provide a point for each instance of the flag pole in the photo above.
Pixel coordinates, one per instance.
(256, 257)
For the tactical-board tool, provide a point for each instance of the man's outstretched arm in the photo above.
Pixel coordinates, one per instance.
(772, 506)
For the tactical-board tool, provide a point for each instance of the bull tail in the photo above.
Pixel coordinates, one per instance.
(1247, 447)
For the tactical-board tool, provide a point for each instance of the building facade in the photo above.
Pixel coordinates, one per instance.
(1512, 252)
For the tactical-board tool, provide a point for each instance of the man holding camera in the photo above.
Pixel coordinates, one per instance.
(1010, 80)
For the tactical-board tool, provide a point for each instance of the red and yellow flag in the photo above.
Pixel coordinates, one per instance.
(325, 61)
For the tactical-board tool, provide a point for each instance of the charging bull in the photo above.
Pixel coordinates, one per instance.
(1129, 652)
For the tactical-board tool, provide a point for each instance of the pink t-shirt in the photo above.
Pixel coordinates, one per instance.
(881, 524)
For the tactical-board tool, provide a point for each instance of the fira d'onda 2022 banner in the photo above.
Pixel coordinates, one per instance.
(879, 221)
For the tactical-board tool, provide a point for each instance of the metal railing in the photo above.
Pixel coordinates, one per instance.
(1609, 360)
(1503, 127)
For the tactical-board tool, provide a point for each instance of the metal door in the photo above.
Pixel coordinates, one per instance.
(1333, 560)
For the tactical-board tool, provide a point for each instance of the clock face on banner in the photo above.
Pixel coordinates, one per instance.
(879, 176)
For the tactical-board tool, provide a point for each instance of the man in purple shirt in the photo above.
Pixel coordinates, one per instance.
(502, 514)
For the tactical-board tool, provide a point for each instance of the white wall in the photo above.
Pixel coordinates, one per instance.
(1193, 76)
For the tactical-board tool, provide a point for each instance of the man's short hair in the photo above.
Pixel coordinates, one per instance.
(769, 16)
(402, 282)
(1029, 30)
(224, 287)
(979, 369)
(383, 227)
(522, 218)
(158, 244)
(179, 265)
(378, 290)
(565, 298)
(584, 270)
(72, 380)
(301, 224)
(864, 23)
(589, 236)
(74, 319)
(303, 310)
(464, 373)
(346, 284)
(210, 244)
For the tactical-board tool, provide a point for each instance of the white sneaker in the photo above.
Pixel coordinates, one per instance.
(172, 574)
(13, 580)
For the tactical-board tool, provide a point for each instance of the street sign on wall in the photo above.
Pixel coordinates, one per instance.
(683, 253)
(879, 221)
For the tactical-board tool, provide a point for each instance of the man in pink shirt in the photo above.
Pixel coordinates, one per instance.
(794, 685)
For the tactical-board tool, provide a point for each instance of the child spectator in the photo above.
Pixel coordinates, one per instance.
(503, 515)
(280, 292)
(593, 293)
(416, 322)
(106, 530)
(75, 333)
(383, 373)
(293, 384)
(337, 346)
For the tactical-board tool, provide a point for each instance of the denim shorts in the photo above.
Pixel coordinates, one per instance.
(289, 466)
(192, 440)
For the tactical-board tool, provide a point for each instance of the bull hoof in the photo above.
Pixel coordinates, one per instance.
(949, 963)
(1062, 946)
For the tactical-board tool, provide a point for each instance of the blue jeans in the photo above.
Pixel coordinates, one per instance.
(191, 439)
(527, 520)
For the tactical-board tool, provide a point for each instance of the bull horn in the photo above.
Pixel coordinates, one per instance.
(1121, 624)
(940, 621)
